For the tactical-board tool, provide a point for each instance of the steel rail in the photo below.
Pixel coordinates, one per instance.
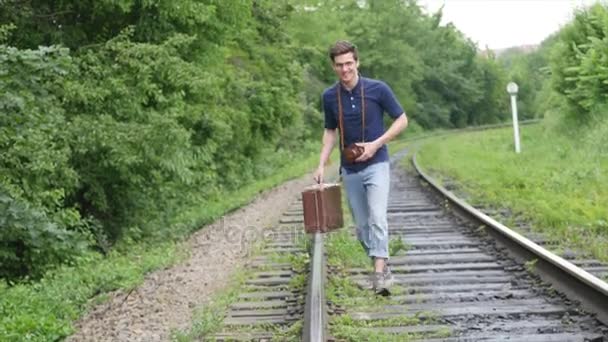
(566, 277)
(314, 310)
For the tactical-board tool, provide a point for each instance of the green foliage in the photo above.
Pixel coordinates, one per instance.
(31, 241)
(38, 230)
(35, 150)
(459, 88)
(530, 70)
(348, 329)
(492, 106)
(5, 30)
(76, 23)
(396, 246)
(345, 251)
(158, 107)
(566, 76)
(44, 311)
(129, 147)
(386, 35)
(579, 62)
(434, 70)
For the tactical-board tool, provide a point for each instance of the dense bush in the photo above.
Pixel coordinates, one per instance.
(155, 108)
(579, 63)
(567, 73)
(38, 229)
(530, 70)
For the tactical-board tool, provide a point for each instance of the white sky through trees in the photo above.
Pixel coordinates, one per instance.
(500, 24)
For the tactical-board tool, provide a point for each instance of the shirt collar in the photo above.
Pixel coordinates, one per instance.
(356, 88)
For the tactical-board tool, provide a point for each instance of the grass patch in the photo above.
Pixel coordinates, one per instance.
(556, 183)
(346, 294)
(212, 209)
(357, 333)
(345, 252)
(396, 246)
(44, 310)
(346, 328)
(209, 319)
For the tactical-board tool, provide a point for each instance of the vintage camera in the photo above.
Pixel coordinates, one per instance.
(352, 152)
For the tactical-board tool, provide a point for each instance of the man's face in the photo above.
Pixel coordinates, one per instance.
(345, 67)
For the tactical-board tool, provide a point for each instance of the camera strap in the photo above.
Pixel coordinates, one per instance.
(341, 112)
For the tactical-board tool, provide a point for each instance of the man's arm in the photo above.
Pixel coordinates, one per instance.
(397, 126)
(329, 140)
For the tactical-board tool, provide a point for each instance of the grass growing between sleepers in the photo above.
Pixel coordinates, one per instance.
(209, 319)
(344, 252)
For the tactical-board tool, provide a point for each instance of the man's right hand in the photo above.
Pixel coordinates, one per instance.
(318, 175)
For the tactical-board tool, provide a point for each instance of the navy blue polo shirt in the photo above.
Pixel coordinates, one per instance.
(379, 98)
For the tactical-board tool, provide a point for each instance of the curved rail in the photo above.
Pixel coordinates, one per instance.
(560, 273)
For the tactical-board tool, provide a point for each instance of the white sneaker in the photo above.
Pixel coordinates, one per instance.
(383, 282)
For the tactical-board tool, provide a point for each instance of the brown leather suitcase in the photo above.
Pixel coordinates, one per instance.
(322, 206)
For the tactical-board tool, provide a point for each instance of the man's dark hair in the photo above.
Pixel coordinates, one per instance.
(341, 47)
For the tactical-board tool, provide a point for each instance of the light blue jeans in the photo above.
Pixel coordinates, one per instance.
(367, 192)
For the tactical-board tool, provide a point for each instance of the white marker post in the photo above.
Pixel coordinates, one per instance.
(512, 90)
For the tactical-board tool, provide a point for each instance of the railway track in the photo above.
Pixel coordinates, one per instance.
(455, 280)
(270, 306)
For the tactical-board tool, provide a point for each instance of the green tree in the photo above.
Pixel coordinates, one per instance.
(579, 62)
(38, 230)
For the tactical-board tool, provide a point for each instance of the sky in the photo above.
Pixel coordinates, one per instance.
(499, 24)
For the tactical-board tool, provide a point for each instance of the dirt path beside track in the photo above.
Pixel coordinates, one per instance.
(167, 298)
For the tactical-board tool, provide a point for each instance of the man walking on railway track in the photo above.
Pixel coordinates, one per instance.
(354, 106)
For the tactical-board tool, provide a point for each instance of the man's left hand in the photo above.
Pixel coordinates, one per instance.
(370, 150)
